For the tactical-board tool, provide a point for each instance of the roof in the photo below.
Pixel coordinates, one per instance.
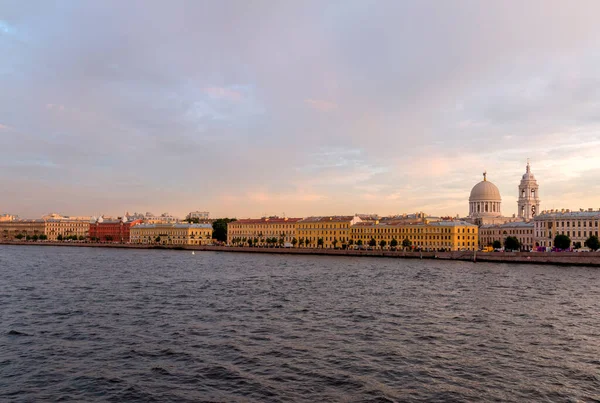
(568, 214)
(451, 224)
(515, 224)
(174, 225)
(485, 191)
(266, 221)
(329, 219)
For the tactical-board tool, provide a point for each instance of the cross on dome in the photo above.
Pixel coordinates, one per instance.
(485, 175)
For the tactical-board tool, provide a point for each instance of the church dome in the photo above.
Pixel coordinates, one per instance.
(485, 191)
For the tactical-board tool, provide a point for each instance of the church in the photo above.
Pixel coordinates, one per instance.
(485, 210)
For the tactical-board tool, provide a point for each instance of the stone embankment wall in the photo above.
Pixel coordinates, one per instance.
(555, 258)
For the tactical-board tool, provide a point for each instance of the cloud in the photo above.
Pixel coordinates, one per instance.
(224, 93)
(326, 109)
(4, 127)
(320, 105)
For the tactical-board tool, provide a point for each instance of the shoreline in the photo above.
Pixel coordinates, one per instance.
(549, 258)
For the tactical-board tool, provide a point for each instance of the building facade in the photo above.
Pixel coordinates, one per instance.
(172, 234)
(9, 230)
(577, 225)
(111, 230)
(528, 203)
(334, 231)
(523, 231)
(57, 229)
(260, 229)
(438, 235)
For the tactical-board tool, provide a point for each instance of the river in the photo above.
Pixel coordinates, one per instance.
(93, 324)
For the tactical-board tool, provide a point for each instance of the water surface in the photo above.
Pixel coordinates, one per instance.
(91, 324)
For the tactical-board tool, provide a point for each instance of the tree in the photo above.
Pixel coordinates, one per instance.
(394, 243)
(81, 238)
(194, 220)
(382, 243)
(372, 243)
(157, 239)
(281, 241)
(334, 242)
(406, 243)
(359, 242)
(250, 242)
(255, 242)
(577, 245)
(512, 243)
(19, 236)
(35, 238)
(562, 242)
(350, 242)
(497, 244)
(294, 242)
(220, 228)
(108, 238)
(307, 242)
(43, 237)
(28, 238)
(59, 237)
(320, 242)
(593, 243)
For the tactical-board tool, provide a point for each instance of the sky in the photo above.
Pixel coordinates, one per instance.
(296, 108)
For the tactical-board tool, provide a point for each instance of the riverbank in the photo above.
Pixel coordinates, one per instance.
(554, 258)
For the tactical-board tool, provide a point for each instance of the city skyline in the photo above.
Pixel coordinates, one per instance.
(311, 108)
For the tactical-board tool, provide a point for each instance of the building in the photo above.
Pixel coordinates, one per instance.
(8, 217)
(172, 234)
(56, 216)
(103, 230)
(438, 235)
(485, 204)
(334, 231)
(577, 225)
(57, 229)
(528, 203)
(199, 215)
(523, 231)
(9, 230)
(260, 229)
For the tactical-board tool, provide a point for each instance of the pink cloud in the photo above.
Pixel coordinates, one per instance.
(320, 105)
(4, 127)
(55, 106)
(223, 93)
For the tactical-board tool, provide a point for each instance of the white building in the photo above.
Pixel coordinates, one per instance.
(528, 203)
(201, 215)
(523, 231)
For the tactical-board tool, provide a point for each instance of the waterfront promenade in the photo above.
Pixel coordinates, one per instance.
(553, 258)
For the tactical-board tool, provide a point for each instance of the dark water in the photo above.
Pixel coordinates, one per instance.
(81, 324)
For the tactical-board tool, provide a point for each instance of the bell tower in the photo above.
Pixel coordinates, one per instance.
(529, 200)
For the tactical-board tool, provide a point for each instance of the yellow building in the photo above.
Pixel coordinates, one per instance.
(62, 228)
(258, 231)
(448, 235)
(172, 234)
(10, 229)
(331, 231)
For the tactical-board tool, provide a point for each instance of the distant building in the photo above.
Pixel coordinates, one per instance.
(105, 230)
(62, 228)
(577, 225)
(333, 230)
(56, 216)
(437, 235)
(523, 231)
(172, 234)
(200, 215)
(8, 217)
(10, 229)
(529, 196)
(261, 229)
